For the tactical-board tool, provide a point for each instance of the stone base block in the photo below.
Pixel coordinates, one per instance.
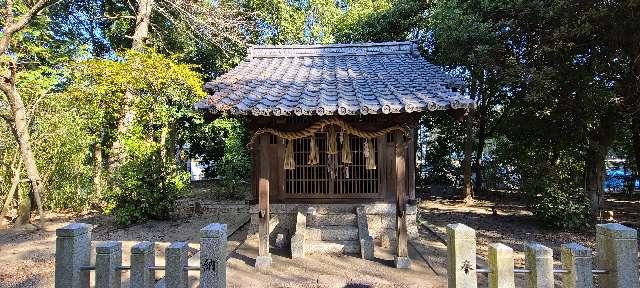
(402, 262)
(297, 245)
(263, 262)
(366, 248)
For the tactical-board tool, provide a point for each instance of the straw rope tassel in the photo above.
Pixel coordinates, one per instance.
(369, 154)
(333, 144)
(346, 148)
(313, 154)
(289, 162)
(317, 126)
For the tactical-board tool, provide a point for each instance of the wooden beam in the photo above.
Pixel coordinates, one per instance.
(401, 195)
(263, 197)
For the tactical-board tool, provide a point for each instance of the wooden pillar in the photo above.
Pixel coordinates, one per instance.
(411, 165)
(264, 257)
(402, 258)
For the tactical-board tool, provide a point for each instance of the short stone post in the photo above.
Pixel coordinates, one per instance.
(576, 259)
(213, 256)
(617, 252)
(299, 237)
(73, 250)
(501, 266)
(175, 275)
(143, 256)
(539, 260)
(108, 262)
(461, 256)
(366, 241)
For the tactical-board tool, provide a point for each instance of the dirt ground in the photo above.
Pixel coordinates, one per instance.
(27, 254)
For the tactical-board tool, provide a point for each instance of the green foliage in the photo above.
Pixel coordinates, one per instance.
(439, 138)
(236, 163)
(222, 144)
(561, 208)
(144, 187)
(147, 183)
(324, 21)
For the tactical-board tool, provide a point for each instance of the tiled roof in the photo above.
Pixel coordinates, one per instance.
(343, 79)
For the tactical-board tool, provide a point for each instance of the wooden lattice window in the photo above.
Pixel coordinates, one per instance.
(325, 178)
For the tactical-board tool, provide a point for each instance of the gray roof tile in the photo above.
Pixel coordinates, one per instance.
(333, 79)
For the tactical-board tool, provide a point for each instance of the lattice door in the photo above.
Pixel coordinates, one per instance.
(325, 180)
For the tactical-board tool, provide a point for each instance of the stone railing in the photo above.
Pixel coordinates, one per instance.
(73, 263)
(616, 258)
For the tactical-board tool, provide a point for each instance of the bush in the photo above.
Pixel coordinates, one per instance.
(561, 209)
(144, 187)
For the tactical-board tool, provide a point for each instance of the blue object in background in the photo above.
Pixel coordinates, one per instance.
(616, 178)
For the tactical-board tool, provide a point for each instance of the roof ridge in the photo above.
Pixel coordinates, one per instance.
(354, 49)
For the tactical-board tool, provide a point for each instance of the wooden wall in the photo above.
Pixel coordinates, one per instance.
(386, 174)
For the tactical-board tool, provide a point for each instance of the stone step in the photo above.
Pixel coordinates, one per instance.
(332, 247)
(329, 233)
(319, 220)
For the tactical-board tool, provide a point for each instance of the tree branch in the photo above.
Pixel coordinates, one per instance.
(116, 17)
(6, 117)
(11, 26)
(24, 19)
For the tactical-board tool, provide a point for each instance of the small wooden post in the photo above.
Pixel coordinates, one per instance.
(402, 258)
(264, 257)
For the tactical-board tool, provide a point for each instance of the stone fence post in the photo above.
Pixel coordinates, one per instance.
(576, 259)
(461, 256)
(501, 266)
(143, 256)
(617, 252)
(539, 260)
(299, 237)
(176, 259)
(73, 250)
(213, 256)
(108, 262)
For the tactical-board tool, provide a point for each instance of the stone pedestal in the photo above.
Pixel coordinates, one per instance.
(539, 260)
(577, 260)
(108, 260)
(213, 256)
(143, 256)
(263, 262)
(501, 266)
(618, 253)
(73, 250)
(402, 262)
(461, 256)
(176, 259)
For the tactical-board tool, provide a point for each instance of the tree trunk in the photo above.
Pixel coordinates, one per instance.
(635, 133)
(24, 209)
(595, 160)
(15, 182)
(482, 137)
(97, 172)
(468, 151)
(20, 131)
(594, 180)
(140, 35)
